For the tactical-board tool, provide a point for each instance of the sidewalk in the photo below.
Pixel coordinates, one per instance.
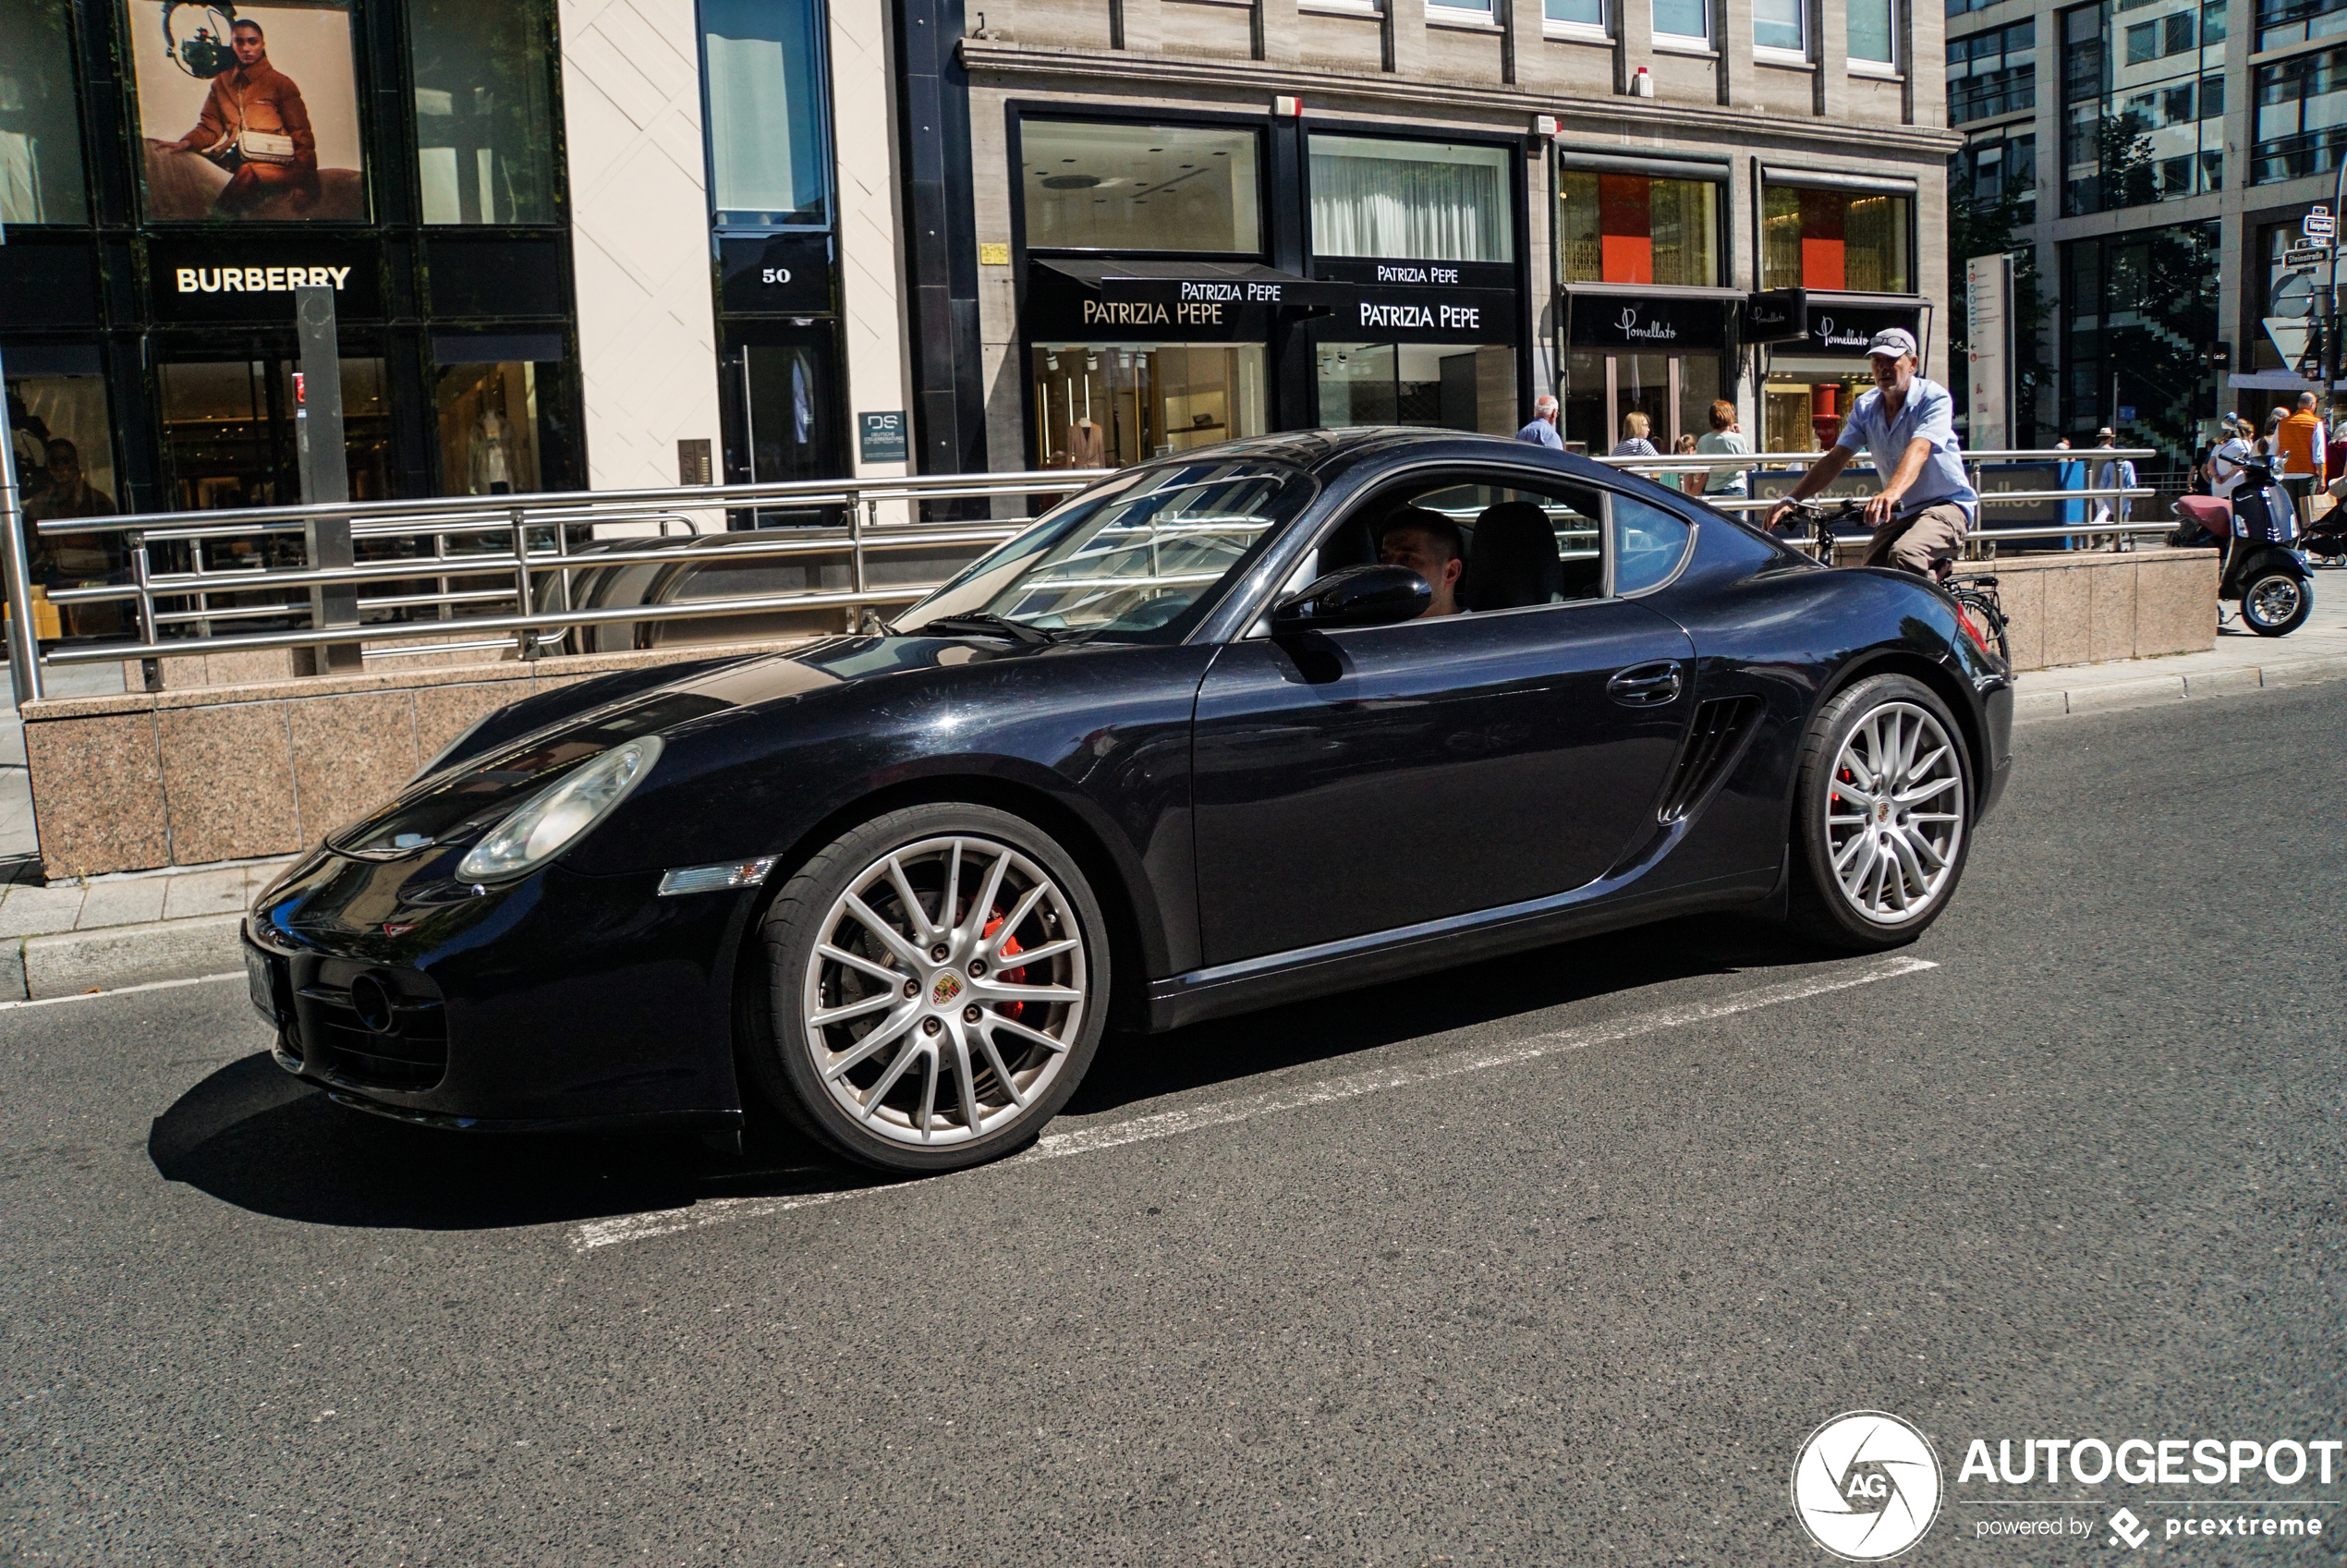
(115, 931)
(2242, 661)
(131, 929)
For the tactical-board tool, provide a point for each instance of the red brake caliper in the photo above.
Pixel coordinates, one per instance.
(1011, 1010)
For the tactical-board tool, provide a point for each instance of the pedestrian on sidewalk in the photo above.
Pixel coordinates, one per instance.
(1725, 438)
(2298, 442)
(2113, 473)
(1634, 441)
(1542, 431)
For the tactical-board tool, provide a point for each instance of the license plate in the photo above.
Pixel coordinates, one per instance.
(262, 983)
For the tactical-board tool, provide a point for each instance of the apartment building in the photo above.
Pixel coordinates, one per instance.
(2163, 155)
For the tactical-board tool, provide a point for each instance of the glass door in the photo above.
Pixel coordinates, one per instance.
(1675, 391)
(783, 423)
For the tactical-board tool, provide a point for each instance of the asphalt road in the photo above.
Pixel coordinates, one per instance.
(2081, 1179)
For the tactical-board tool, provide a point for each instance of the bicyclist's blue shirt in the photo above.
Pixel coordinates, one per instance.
(1927, 414)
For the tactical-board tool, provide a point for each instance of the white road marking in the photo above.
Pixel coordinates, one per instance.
(122, 991)
(1168, 1123)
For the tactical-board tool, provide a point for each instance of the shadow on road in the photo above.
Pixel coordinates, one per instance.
(251, 1135)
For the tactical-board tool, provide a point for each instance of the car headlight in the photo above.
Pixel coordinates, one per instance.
(550, 821)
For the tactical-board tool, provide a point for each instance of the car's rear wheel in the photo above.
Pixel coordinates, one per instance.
(1880, 817)
(938, 981)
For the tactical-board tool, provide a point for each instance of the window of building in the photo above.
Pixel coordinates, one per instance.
(2138, 124)
(1636, 228)
(769, 128)
(64, 446)
(1871, 32)
(1110, 404)
(1858, 240)
(1428, 201)
(1779, 29)
(1684, 22)
(484, 111)
(1446, 386)
(1988, 172)
(2300, 123)
(1992, 73)
(489, 414)
(1479, 11)
(1674, 390)
(2263, 280)
(1575, 16)
(2136, 311)
(40, 131)
(2296, 21)
(1107, 186)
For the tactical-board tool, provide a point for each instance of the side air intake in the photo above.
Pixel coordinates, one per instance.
(1721, 725)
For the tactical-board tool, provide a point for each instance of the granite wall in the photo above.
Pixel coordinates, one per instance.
(186, 777)
(2081, 607)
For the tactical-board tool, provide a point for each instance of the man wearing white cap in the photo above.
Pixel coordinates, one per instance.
(1906, 425)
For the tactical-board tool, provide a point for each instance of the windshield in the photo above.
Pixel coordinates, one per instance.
(1130, 560)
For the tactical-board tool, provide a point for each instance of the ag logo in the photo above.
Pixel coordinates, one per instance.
(1866, 1486)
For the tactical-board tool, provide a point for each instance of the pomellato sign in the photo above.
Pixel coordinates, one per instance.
(1663, 323)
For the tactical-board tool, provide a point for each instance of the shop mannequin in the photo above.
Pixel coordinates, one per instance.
(1085, 447)
(492, 454)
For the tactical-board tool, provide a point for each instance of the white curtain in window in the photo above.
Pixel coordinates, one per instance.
(1413, 201)
(749, 125)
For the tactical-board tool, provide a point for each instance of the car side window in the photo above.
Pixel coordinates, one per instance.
(1647, 543)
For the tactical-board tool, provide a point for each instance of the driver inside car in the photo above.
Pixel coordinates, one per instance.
(1430, 544)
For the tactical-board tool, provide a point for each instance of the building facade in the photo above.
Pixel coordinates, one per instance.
(1458, 206)
(2161, 158)
(622, 243)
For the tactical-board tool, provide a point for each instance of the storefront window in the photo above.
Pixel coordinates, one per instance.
(1805, 401)
(484, 111)
(1835, 240)
(39, 133)
(1095, 187)
(256, 122)
(1427, 202)
(1448, 386)
(228, 433)
(1635, 228)
(64, 446)
(488, 428)
(762, 63)
(1674, 390)
(1108, 405)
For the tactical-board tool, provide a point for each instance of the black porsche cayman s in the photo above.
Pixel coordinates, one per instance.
(1238, 726)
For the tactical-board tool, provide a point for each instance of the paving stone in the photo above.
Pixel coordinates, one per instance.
(30, 911)
(121, 904)
(204, 893)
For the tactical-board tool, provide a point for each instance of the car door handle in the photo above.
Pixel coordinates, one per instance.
(1646, 685)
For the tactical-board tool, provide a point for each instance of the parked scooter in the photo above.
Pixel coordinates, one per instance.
(2264, 567)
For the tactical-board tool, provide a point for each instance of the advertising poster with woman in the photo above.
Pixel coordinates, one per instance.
(248, 111)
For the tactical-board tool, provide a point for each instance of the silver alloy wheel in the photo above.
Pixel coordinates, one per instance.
(1894, 813)
(2271, 600)
(945, 991)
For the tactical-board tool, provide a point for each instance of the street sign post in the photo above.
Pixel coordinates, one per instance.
(1988, 339)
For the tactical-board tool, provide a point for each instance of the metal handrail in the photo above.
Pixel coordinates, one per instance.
(520, 558)
(523, 521)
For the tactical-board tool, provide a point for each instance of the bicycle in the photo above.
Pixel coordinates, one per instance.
(1977, 606)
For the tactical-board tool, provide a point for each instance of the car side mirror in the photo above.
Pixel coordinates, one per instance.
(1356, 596)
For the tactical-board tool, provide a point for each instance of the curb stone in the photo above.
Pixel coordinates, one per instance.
(110, 957)
(2108, 696)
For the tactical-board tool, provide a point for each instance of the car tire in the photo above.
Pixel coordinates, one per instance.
(979, 1050)
(1872, 869)
(2275, 603)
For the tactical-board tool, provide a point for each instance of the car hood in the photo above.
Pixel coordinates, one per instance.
(458, 802)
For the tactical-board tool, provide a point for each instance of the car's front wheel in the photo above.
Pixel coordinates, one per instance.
(1881, 812)
(938, 981)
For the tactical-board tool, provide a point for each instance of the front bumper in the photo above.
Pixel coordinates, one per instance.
(561, 1000)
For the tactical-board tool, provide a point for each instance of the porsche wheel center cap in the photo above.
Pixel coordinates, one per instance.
(947, 988)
